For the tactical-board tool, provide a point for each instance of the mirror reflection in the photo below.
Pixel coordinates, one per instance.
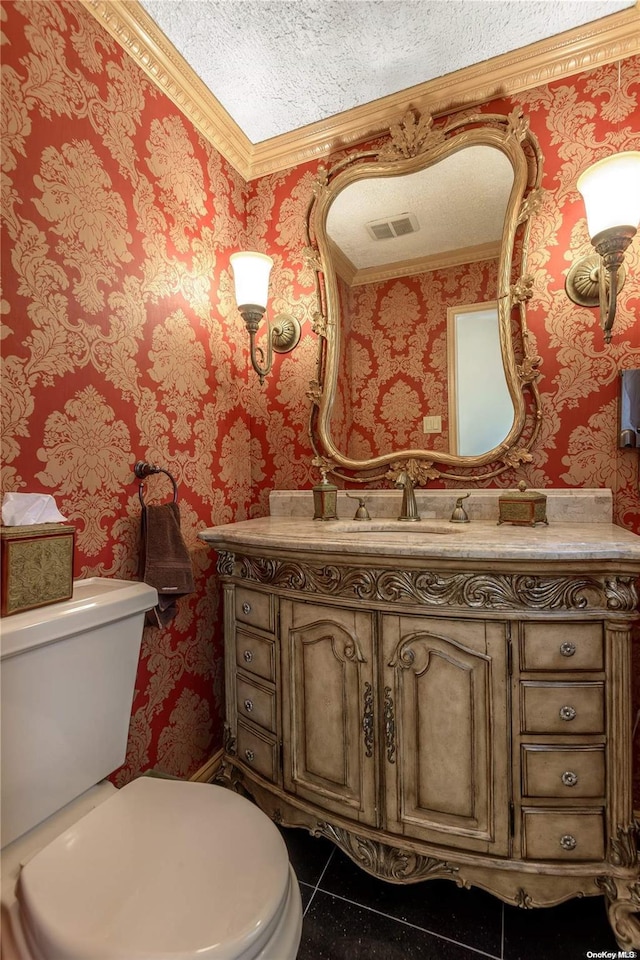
(450, 213)
(479, 400)
(417, 260)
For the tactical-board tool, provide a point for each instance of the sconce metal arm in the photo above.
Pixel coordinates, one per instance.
(598, 278)
(611, 245)
(282, 337)
(252, 316)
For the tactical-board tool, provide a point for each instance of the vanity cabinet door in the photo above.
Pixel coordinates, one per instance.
(327, 707)
(446, 731)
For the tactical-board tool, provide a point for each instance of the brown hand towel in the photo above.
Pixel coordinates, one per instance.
(165, 560)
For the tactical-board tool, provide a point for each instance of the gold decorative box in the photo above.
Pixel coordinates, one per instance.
(522, 507)
(37, 566)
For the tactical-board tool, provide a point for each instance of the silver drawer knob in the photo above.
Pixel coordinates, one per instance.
(246, 608)
(250, 755)
(247, 656)
(567, 649)
(248, 705)
(568, 842)
(567, 713)
(569, 778)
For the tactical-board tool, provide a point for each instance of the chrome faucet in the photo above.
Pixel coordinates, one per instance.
(409, 510)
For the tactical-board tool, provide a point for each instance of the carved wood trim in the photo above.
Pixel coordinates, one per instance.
(228, 741)
(583, 48)
(623, 906)
(388, 863)
(494, 591)
(523, 900)
(225, 564)
(623, 848)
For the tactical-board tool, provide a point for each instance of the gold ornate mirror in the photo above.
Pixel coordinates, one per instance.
(420, 254)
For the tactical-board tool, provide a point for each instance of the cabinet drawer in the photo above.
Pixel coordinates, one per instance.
(558, 772)
(255, 608)
(562, 646)
(563, 834)
(257, 703)
(563, 708)
(255, 654)
(259, 751)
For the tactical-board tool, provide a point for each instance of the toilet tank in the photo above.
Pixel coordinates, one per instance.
(67, 675)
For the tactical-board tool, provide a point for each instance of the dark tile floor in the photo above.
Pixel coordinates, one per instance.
(349, 915)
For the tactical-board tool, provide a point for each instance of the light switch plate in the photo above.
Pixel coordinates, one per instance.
(432, 424)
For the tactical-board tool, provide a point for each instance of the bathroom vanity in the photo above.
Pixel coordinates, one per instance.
(440, 700)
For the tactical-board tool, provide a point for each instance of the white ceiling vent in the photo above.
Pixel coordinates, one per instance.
(390, 227)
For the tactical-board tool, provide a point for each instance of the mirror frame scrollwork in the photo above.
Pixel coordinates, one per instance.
(414, 144)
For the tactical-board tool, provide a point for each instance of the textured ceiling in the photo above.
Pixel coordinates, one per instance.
(458, 204)
(277, 65)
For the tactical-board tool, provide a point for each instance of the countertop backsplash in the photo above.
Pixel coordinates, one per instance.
(570, 505)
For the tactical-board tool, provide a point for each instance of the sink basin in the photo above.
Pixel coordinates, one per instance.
(403, 527)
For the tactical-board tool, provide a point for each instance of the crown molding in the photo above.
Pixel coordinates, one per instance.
(426, 264)
(604, 41)
(345, 269)
(356, 277)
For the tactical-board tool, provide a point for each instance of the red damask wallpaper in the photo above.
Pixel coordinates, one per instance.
(394, 357)
(118, 220)
(120, 340)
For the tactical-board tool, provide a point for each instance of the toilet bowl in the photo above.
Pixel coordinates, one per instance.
(162, 870)
(158, 870)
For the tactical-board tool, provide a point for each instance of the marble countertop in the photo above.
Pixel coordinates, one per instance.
(430, 538)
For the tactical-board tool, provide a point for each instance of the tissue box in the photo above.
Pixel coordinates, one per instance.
(37, 566)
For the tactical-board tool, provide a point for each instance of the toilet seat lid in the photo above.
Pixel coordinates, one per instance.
(163, 869)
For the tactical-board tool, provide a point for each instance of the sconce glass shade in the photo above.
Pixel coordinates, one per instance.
(251, 279)
(611, 192)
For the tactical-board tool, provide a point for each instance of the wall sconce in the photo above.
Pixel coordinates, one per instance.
(251, 279)
(611, 192)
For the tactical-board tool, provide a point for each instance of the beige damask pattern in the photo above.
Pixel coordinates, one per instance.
(78, 199)
(393, 364)
(114, 338)
(86, 456)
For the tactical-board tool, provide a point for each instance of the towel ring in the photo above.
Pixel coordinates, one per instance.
(143, 470)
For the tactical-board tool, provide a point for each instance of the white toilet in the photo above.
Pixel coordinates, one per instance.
(159, 870)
